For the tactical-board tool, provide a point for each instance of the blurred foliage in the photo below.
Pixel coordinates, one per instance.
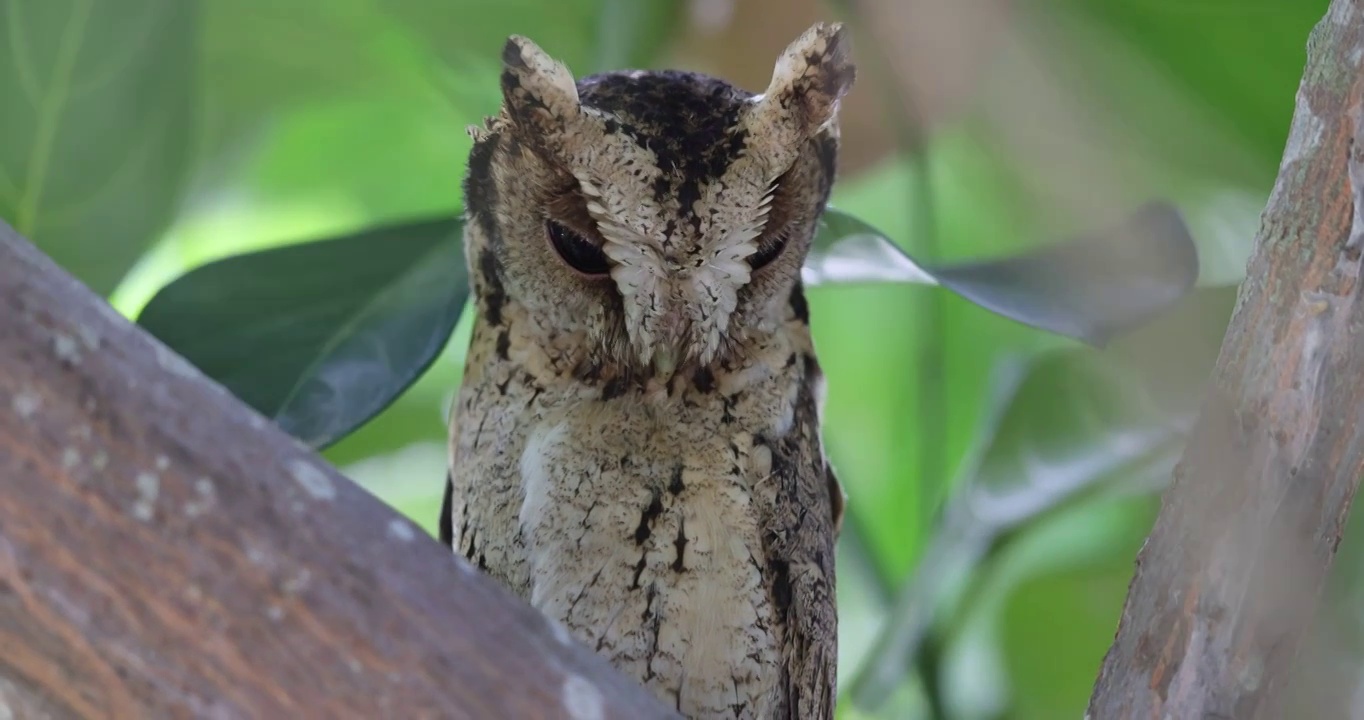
(97, 117)
(203, 129)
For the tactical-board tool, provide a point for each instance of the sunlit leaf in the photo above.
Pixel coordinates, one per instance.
(1089, 288)
(96, 102)
(323, 335)
(848, 250)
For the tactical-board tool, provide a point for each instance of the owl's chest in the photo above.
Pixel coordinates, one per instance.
(642, 531)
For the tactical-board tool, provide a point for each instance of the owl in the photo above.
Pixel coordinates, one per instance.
(635, 448)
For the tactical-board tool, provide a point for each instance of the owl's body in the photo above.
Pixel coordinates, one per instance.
(635, 448)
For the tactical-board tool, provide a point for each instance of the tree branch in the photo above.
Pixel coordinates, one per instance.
(1228, 583)
(166, 552)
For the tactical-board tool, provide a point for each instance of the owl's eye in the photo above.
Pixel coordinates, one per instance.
(769, 249)
(778, 230)
(576, 250)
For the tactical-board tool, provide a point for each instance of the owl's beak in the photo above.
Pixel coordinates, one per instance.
(665, 361)
(669, 345)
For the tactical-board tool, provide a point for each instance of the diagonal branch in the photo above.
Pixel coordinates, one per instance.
(165, 552)
(1228, 583)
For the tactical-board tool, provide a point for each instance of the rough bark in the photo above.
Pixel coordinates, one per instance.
(166, 552)
(1228, 583)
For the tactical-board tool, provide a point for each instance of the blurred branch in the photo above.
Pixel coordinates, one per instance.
(165, 551)
(1229, 581)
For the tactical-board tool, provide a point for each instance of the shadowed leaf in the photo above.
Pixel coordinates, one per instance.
(323, 335)
(1090, 288)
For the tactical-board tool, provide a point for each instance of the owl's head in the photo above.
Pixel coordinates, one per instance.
(666, 214)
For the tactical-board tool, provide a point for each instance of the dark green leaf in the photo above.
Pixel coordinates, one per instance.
(1089, 288)
(97, 117)
(320, 336)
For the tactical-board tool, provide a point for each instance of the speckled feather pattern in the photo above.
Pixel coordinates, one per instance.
(677, 516)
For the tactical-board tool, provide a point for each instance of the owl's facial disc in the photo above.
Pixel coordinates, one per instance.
(681, 289)
(675, 187)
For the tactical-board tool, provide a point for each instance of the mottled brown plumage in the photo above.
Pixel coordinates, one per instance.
(635, 448)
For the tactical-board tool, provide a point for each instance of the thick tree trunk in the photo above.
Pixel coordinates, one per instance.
(1228, 583)
(166, 552)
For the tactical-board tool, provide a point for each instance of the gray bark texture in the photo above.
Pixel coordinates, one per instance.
(1228, 584)
(167, 552)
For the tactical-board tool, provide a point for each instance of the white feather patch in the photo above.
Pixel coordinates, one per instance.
(537, 487)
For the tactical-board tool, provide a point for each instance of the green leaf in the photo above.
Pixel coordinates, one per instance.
(323, 335)
(298, 94)
(1089, 288)
(98, 119)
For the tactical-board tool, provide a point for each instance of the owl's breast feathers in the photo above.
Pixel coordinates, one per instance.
(687, 536)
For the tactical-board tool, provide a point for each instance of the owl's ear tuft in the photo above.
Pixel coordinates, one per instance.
(539, 91)
(809, 80)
